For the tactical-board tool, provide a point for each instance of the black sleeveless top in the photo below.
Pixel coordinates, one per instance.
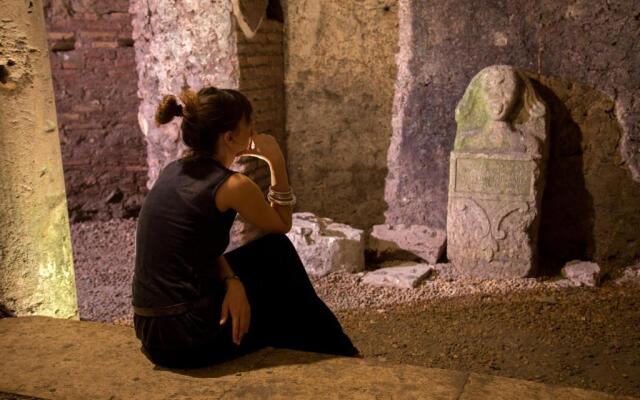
(180, 234)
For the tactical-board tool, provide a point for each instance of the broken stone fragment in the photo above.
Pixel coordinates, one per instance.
(325, 246)
(406, 276)
(406, 242)
(629, 274)
(582, 273)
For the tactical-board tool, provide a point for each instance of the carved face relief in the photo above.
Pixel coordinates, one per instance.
(501, 89)
(489, 118)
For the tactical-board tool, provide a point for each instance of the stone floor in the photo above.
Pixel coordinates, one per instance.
(52, 358)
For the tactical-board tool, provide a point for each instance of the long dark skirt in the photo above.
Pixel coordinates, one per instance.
(285, 313)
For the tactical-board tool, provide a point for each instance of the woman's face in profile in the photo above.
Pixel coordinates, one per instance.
(244, 134)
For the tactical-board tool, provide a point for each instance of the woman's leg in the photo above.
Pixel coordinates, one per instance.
(286, 310)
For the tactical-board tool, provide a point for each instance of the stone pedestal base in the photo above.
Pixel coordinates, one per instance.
(492, 213)
(491, 270)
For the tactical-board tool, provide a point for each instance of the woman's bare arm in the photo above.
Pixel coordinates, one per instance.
(224, 270)
(242, 194)
(280, 183)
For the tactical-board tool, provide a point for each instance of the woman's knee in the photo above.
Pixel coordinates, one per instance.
(274, 249)
(268, 242)
(277, 239)
(275, 243)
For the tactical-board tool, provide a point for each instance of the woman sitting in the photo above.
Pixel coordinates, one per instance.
(194, 306)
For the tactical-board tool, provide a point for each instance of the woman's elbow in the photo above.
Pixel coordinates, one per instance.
(288, 227)
(285, 228)
(282, 227)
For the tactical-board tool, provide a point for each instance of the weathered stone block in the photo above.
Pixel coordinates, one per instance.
(629, 274)
(497, 175)
(325, 246)
(582, 273)
(406, 276)
(406, 242)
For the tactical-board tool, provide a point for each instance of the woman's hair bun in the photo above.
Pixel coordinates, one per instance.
(168, 109)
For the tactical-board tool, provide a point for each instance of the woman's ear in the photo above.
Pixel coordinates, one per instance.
(227, 138)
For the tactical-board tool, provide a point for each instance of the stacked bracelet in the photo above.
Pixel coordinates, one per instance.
(281, 198)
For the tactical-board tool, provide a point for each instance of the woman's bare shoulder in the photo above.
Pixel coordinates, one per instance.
(235, 188)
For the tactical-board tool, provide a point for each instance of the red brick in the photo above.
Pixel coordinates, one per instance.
(99, 34)
(70, 116)
(87, 16)
(76, 162)
(105, 45)
(271, 26)
(123, 16)
(71, 65)
(274, 37)
(100, 54)
(60, 35)
(141, 168)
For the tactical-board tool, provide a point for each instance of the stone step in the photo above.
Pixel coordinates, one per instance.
(63, 359)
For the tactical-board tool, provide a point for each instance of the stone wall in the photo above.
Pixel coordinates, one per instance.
(339, 74)
(591, 207)
(94, 76)
(584, 57)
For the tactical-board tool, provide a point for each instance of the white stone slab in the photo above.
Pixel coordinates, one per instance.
(402, 241)
(325, 245)
(406, 276)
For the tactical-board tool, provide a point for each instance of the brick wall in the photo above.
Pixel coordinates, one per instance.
(262, 81)
(95, 83)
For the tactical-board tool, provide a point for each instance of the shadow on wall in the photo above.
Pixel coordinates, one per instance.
(591, 205)
(566, 225)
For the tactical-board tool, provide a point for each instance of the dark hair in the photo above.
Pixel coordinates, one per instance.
(205, 115)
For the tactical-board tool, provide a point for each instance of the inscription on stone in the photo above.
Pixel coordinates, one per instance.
(490, 176)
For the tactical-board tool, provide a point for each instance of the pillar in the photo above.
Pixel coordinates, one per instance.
(36, 263)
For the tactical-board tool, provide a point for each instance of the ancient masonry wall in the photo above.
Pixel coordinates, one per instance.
(583, 57)
(95, 83)
(339, 82)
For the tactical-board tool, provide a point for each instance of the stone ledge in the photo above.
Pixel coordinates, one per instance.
(53, 358)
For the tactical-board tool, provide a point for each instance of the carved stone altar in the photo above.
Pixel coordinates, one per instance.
(496, 176)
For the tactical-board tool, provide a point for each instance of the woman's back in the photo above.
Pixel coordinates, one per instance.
(180, 234)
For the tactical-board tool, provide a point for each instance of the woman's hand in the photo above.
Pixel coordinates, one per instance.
(236, 303)
(264, 147)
